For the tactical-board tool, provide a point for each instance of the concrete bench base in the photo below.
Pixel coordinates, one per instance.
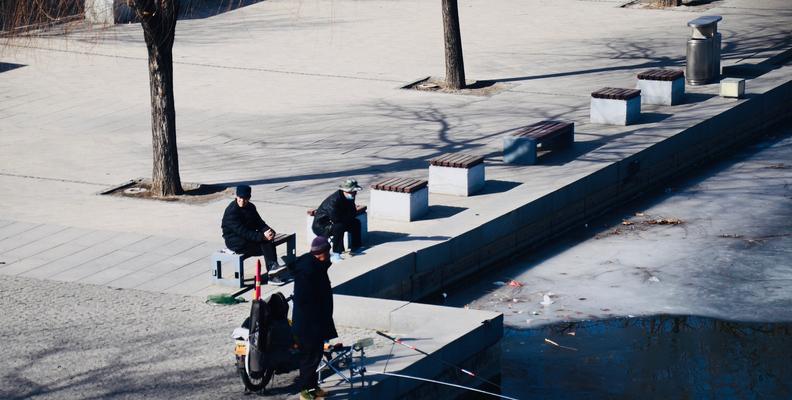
(522, 150)
(456, 181)
(362, 217)
(522, 146)
(615, 112)
(226, 258)
(399, 206)
(235, 262)
(518, 150)
(664, 93)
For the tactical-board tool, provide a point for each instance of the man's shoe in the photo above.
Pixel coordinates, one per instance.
(275, 267)
(357, 251)
(307, 395)
(275, 280)
(336, 257)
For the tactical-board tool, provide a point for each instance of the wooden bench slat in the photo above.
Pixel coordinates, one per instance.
(544, 129)
(382, 184)
(400, 185)
(615, 93)
(443, 158)
(466, 161)
(396, 184)
(407, 185)
(661, 74)
(408, 188)
(281, 238)
(456, 159)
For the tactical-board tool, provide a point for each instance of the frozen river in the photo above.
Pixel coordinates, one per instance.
(684, 293)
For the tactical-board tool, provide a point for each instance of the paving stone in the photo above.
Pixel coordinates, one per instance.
(177, 276)
(94, 266)
(46, 243)
(15, 228)
(121, 270)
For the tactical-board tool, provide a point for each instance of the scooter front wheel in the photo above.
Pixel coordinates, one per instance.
(253, 384)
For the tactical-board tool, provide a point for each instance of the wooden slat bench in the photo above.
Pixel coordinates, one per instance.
(403, 199)
(361, 215)
(237, 261)
(615, 106)
(523, 145)
(662, 86)
(457, 174)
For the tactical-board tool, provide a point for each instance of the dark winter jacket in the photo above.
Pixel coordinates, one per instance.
(242, 225)
(334, 209)
(313, 301)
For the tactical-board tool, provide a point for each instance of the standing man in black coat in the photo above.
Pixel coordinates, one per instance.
(336, 215)
(246, 233)
(312, 313)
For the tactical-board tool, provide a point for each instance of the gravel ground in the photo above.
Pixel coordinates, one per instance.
(66, 340)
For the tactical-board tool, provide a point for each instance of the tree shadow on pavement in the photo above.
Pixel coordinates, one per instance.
(380, 237)
(495, 186)
(5, 67)
(438, 211)
(646, 54)
(199, 9)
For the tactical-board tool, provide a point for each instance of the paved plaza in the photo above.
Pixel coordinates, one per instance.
(292, 97)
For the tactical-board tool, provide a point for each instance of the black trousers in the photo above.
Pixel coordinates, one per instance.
(310, 356)
(336, 233)
(266, 249)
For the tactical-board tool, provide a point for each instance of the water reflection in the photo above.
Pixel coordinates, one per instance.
(675, 357)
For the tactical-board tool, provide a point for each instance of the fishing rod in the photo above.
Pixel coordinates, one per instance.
(441, 383)
(398, 341)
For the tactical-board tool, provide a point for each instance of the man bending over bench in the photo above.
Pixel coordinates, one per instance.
(246, 233)
(336, 215)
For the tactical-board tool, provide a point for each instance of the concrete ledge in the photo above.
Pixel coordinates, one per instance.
(545, 216)
(468, 338)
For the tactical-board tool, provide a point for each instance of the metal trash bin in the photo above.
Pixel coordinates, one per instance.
(703, 51)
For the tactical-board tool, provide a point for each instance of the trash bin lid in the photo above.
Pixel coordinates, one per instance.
(704, 21)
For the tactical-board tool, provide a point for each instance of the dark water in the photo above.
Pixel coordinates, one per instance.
(670, 357)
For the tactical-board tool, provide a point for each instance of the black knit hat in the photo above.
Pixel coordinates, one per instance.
(243, 191)
(320, 245)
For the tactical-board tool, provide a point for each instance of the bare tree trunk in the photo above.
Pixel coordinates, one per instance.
(159, 27)
(455, 67)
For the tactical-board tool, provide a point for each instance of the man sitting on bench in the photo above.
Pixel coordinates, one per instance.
(246, 233)
(336, 215)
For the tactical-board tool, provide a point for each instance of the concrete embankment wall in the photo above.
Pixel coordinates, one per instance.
(453, 337)
(419, 273)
